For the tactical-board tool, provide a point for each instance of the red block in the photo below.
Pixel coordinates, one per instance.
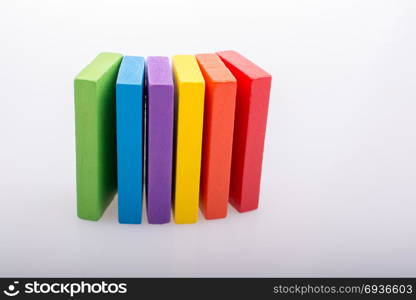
(253, 91)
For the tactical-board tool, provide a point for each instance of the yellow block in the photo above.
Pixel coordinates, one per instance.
(190, 89)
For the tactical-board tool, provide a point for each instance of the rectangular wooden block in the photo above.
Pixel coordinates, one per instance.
(130, 87)
(253, 91)
(190, 88)
(95, 120)
(220, 98)
(160, 112)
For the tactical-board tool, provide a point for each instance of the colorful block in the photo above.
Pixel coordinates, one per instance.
(190, 88)
(253, 90)
(160, 112)
(130, 87)
(220, 98)
(95, 118)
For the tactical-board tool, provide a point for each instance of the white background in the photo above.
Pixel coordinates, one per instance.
(338, 195)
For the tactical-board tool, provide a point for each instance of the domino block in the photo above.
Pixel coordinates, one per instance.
(190, 88)
(130, 87)
(160, 112)
(253, 91)
(220, 98)
(95, 118)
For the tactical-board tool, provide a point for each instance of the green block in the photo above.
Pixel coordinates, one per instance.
(95, 131)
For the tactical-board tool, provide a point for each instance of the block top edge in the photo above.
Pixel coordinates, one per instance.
(243, 64)
(213, 67)
(159, 71)
(131, 71)
(99, 66)
(186, 69)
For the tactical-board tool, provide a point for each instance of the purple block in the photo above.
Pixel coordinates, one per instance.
(160, 112)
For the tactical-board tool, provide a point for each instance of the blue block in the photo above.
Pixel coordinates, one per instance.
(129, 106)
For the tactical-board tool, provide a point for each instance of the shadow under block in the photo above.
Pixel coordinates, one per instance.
(95, 118)
(253, 91)
(190, 88)
(129, 90)
(220, 98)
(160, 110)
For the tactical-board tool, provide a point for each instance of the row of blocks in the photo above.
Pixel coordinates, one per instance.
(192, 134)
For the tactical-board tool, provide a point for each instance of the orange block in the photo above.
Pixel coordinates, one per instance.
(220, 101)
